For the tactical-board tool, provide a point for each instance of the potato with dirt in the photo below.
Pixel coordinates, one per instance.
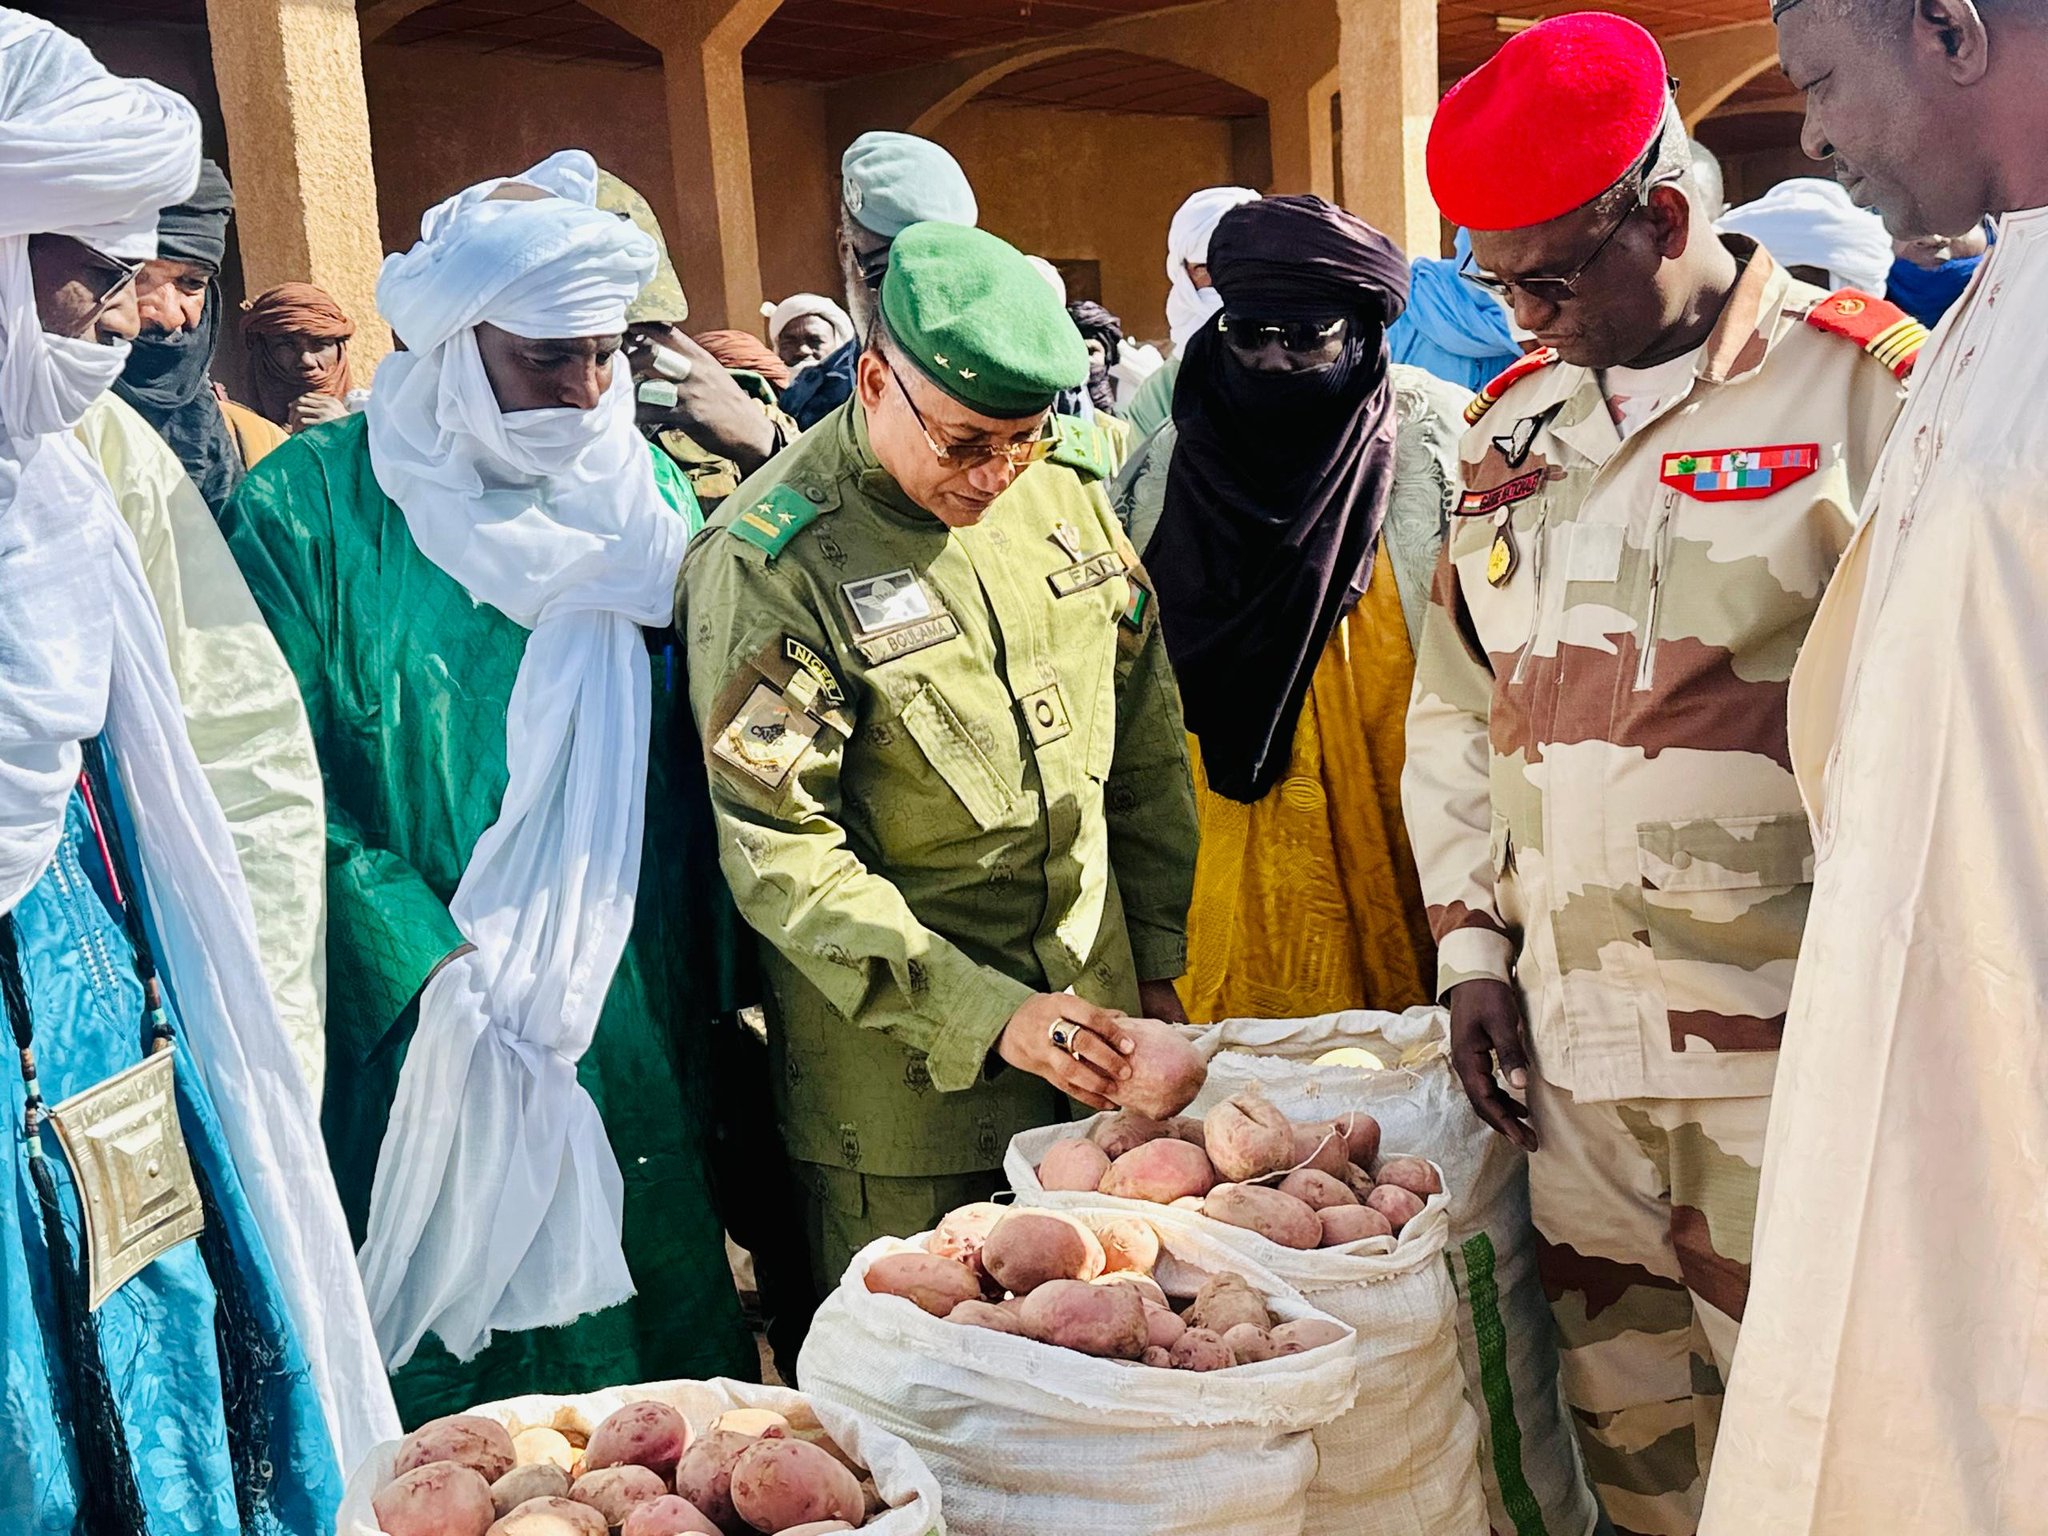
(1320, 1146)
(960, 1234)
(1161, 1172)
(1278, 1218)
(1146, 1286)
(1166, 1070)
(643, 1434)
(924, 1279)
(615, 1492)
(1351, 1224)
(442, 1498)
(704, 1475)
(467, 1439)
(550, 1517)
(1200, 1350)
(669, 1515)
(1223, 1302)
(1400, 1206)
(780, 1483)
(1163, 1327)
(1073, 1163)
(1413, 1174)
(1361, 1133)
(541, 1480)
(1104, 1320)
(1249, 1345)
(1247, 1137)
(1316, 1189)
(1029, 1248)
(1117, 1133)
(986, 1314)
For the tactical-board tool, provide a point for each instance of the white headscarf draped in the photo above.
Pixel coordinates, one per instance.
(1189, 308)
(82, 652)
(1810, 221)
(794, 308)
(497, 1201)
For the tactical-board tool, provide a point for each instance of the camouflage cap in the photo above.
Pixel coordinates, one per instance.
(661, 302)
(974, 315)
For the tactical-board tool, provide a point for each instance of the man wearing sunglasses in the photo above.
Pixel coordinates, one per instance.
(1613, 848)
(945, 752)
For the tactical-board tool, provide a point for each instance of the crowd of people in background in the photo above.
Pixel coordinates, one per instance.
(502, 828)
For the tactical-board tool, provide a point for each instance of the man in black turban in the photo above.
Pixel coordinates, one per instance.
(1290, 516)
(168, 378)
(1104, 334)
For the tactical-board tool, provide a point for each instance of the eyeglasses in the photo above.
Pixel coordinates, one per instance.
(122, 277)
(1554, 291)
(1248, 335)
(973, 455)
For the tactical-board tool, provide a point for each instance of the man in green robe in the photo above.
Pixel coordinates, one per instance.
(471, 581)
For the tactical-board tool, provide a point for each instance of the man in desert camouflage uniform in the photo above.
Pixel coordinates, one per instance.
(1598, 788)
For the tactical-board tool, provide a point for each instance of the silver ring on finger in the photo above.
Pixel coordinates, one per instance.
(1065, 1035)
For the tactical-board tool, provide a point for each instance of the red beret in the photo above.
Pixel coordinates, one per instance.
(1560, 114)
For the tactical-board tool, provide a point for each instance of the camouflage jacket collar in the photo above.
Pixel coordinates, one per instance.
(1752, 323)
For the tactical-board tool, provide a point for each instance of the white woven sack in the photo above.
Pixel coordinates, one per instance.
(1030, 1440)
(1507, 1341)
(905, 1483)
(1404, 1461)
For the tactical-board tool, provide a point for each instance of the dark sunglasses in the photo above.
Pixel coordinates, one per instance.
(1251, 335)
(1559, 290)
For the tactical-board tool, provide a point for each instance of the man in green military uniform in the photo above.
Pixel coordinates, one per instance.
(946, 755)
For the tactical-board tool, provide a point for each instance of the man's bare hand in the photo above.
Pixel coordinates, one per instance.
(312, 409)
(1091, 1070)
(709, 406)
(1161, 1000)
(1486, 1029)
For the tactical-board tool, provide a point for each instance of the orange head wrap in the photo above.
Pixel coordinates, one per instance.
(294, 309)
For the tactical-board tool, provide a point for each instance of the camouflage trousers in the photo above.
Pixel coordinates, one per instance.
(1645, 1211)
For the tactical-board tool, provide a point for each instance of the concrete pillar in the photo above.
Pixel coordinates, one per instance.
(1713, 65)
(290, 76)
(712, 242)
(1387, 76)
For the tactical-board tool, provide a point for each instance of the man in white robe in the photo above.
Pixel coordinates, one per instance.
(1892, 1378)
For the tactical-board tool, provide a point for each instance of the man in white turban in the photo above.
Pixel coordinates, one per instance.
(1191, 300)
(198, 1356)
(472, 581)
(1812, 227)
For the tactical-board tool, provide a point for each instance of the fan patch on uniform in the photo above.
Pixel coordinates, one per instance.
(1740, 474)
(1506, 494)
(767, 736)
(893, 615)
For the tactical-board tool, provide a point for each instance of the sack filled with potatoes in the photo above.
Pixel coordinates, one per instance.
(1301, 1184)
(1090, 1282)
(686, 1459)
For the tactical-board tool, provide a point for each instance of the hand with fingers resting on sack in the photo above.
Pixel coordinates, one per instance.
(1487, 1034)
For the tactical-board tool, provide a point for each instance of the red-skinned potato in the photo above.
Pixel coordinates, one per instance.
(1147, 1287)
(1319, 1146)
(1305, 1334)
(1358, 1181)
(986, 1314)
(1400, 1206)
(615, 1492)
(1276, 1217)
(482, 1445)
(1223, 1302)
(1316, 1189)
(1116, 1134)
(1246, 1137)
(961, 1233)
(1361, 1136)
(644, 1434)
(1074, 1163)
(1412, 1174)
(550, 1517)
(704, 1475)
(1163, 1327)
(1166, 1070)
(1249, 1345)
(669, 1515)
(1186, 1128)
(1105, 1320)
(780, 1483)
(816, 1528)
(1155, 1356)
(443, 1498)
(1352, 1223)
(1161, 1172)
(1028, 1248)
(542, 1480)
(1200, 1350)
(1129, 1244)
(937, 1285)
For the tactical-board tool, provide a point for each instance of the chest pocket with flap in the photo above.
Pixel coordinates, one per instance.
(958, 758)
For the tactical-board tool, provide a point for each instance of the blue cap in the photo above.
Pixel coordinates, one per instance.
(891, 181)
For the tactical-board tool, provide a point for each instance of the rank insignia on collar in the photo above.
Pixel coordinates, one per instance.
(1739, 474)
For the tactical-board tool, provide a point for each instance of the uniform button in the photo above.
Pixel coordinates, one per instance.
(814, 493)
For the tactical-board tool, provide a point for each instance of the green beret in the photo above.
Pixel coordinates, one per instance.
(661, 302)
(974, 315)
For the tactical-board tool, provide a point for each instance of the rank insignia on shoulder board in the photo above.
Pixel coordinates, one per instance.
(1739, 474)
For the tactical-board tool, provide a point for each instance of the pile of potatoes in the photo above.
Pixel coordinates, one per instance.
(642, 1472)
(1318, 1184)
(1086, 1286)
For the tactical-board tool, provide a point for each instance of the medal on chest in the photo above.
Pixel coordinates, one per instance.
(1503, 556)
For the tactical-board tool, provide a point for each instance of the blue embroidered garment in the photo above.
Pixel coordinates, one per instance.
(1451, 327)
(276, 1475)
(819, 390)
